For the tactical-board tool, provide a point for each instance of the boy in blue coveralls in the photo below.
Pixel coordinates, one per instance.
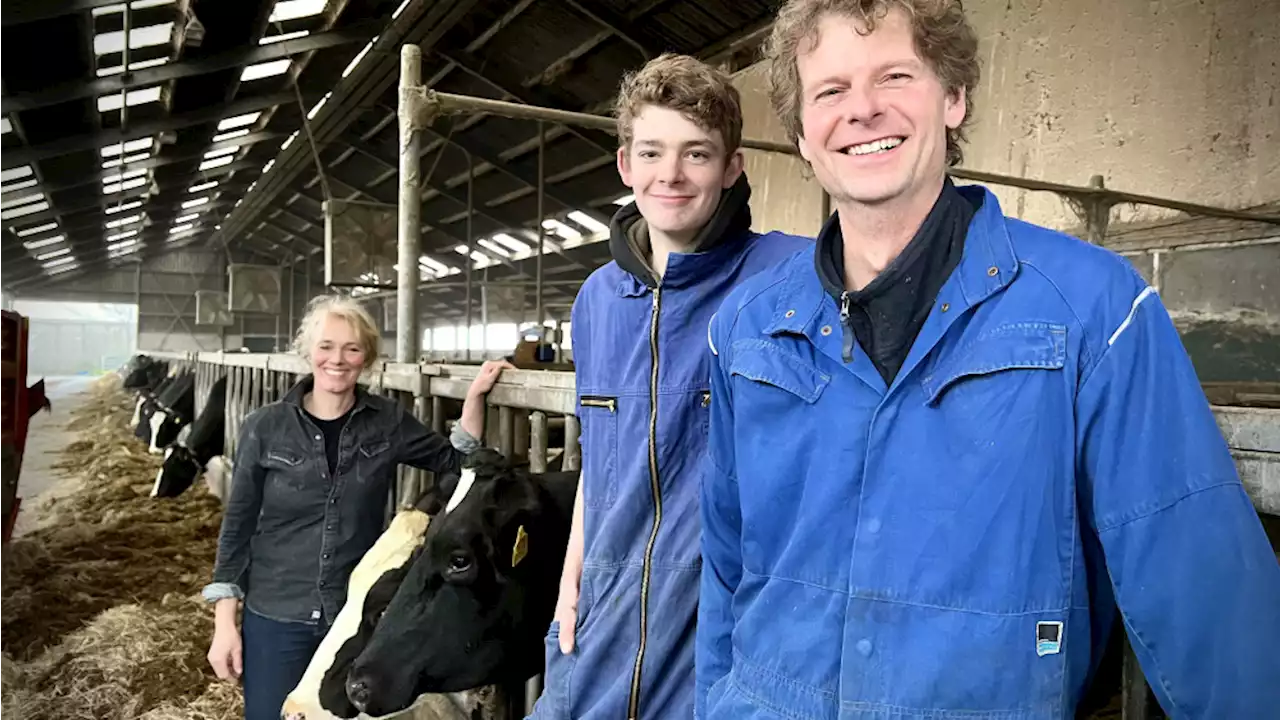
(946, 446)
(621, 645)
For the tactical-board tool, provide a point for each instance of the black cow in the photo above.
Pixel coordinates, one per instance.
(187, 459)
(143, 372)
(473, 605)
(148, 405)
(37, 400)
(176, 408)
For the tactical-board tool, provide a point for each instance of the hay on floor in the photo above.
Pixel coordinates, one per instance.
(101, 613)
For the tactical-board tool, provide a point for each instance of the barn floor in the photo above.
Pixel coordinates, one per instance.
(47, 436)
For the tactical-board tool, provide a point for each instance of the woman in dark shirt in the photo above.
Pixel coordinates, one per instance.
(310, 482)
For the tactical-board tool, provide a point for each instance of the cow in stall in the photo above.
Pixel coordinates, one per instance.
(148, 405)
(176, 409)
(467, 608)
(145, 378)
(188, 457)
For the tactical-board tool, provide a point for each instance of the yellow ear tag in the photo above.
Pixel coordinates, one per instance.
(521, 548)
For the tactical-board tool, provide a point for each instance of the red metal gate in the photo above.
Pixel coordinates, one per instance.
(13, 415)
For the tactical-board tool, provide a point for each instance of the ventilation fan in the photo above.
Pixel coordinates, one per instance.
(211, 308)
(254, 288)
(360, 244)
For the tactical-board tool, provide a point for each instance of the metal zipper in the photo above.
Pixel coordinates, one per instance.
(601, 402)
(706, 398)
(633, 712)
(846, 328)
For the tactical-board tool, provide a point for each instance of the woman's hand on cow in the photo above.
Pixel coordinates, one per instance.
(488, 375)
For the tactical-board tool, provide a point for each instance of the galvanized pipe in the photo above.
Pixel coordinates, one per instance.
(410, 211)
(471, 172)
(542, 231)
(434, 102)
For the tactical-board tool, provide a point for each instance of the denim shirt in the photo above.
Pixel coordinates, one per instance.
(291, 534)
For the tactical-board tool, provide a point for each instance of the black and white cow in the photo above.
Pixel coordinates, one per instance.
(176, 408)
(467, 609)
(186, 459)
(147, 406)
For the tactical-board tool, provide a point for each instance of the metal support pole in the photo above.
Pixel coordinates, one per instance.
(1097, 214)
(410, 210)
(471, 171)
(542, 231)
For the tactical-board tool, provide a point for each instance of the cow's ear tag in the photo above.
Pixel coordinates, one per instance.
(521, 547)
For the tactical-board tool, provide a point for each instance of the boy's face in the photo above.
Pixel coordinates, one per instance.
(874, 115)
(676, 170)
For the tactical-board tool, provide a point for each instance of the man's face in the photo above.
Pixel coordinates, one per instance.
(873, 114)
(676, 170)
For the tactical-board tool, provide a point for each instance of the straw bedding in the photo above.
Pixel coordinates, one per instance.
(101, 613)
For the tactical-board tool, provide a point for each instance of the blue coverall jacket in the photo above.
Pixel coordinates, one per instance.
(642, 371)
(955, 545)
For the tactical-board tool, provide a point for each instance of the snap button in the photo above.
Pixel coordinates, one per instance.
(993, 271)
(333, 501)
(317, 437)
(864, 647)
(826, 329)
(325, 556)
(791, 313)
(946, 307)
(873, 525)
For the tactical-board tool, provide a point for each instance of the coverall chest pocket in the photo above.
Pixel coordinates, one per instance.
(995, 371)
(599, 416)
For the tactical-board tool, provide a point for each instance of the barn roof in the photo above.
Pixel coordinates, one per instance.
(202, 142)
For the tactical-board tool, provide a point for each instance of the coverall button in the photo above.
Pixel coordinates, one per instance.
(873, 525)
(791, 313)
(864, 647)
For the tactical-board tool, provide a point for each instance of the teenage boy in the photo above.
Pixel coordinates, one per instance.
(947, 446)
(622, 642)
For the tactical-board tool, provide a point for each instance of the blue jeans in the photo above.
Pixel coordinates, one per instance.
(276, 654)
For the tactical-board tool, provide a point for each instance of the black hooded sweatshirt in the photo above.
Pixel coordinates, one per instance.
(629, 233)
(887, 314)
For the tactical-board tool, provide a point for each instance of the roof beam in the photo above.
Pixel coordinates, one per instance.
(618, 25)
(104, 138)
(139, 79)
(17, 12)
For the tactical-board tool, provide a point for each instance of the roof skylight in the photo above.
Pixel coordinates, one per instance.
(265, 70)
(186, 218)
(126, 185)
(239, 121)
(5, 126)
(316, 108)
(511, 242)
(359, 56)
(51, 255)
(23, 210)
(23, 185)
(128, 159)
(229, 150)
(267, 40)
(216, 162)
(113, 42)
(625, 200)
(121, 235)
(562, 230)
(203, 186)
(494, 247)
(27, 232)
(129, 147)
(21, 200)
(121, 244)
(289, 141)
(587, 221)
(294, 9)
(123, 221)
(194, 203)
(230, 135)
(59, 261)
(124, 206)
(137, 5)
(117, 177)
(107, 103)
(59, 271)
(15, 173)
(133, 65)
(180, 228)
(37, 244)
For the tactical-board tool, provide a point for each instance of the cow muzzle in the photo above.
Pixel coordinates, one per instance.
(359, 691)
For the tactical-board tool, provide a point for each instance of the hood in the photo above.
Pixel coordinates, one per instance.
(629, 233)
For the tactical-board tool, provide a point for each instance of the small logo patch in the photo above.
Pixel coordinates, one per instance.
(1048, 638)
(521, 547)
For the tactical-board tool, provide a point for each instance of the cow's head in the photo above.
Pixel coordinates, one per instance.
(475, 601)
(178, 472)
(138, 372)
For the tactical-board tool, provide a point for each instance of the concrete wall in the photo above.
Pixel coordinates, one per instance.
(1175, 99)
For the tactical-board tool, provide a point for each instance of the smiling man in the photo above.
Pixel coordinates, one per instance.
(946, 447)
(622, 642)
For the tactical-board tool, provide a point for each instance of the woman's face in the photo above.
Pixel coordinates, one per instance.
(336, 356)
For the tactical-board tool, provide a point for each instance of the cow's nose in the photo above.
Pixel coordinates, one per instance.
(358, 692)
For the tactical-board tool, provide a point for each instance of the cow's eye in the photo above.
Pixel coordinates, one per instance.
(459, 563)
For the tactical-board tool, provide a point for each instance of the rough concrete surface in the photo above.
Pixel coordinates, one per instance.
(46, 438)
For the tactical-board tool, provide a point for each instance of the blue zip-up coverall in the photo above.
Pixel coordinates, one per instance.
(955, 545)
(642, 374)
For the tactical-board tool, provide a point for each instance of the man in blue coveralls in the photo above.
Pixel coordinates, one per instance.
(622, 643)
(947, 446)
